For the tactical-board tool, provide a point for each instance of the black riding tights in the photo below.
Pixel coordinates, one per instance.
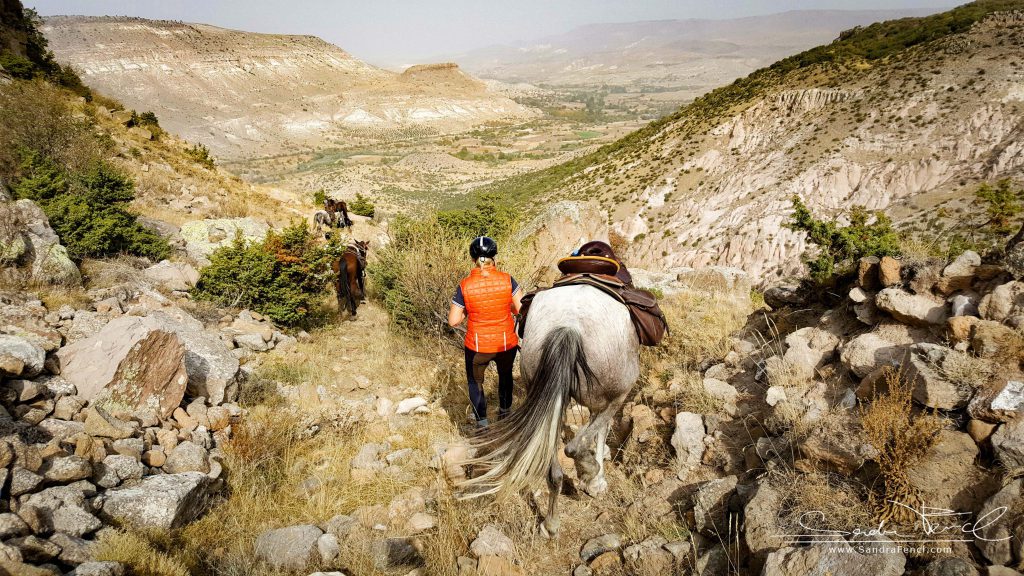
(476, 365)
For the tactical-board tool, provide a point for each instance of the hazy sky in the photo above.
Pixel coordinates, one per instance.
(393, 32)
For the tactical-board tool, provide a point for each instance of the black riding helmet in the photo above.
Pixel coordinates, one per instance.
(483, 247)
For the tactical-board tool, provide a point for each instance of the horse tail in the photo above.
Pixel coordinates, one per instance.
(516, 452)
(341, 287)
(346, 222)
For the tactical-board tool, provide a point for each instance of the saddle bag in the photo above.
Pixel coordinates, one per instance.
(648, 319)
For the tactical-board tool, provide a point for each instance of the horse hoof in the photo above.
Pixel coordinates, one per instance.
(548, 532)
(597, 487)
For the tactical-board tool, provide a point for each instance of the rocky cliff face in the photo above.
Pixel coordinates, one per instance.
(243, 93)
(909, 134)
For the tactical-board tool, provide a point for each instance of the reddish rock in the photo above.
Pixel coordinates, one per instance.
(131, 363)
(889, 270)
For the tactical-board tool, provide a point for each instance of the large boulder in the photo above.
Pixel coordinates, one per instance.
(870, 351)
(761, 520)
(822, 559)
(212, 368)
(559, 229)
(809, 349)
(1000, 532)
(160, 502)
(947, 476)
(172, 275)
(30, 248)
(1008, 442)
(1005, 301)
(19, 357)
(130, 361)
(293, 548)
(990, 339)
(999, 403)
(711, 505)
(202, 237)
(914, 309)
(1014, 260)
(925, 368)
(688, 442)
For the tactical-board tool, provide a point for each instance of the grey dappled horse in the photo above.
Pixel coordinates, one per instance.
(579, 344)
(322, 219)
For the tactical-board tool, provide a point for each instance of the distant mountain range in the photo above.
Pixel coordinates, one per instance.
(690, 55)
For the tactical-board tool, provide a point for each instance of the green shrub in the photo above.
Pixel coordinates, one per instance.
(282, 277)
(147, 120)
(362, 206)
(490, 216)
(201, 155)
(88, 211)
(415, 276)
(1002, 204)
(319, 197)
(842, 246)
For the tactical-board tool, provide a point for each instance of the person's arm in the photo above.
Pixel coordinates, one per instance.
(456, 314)
(517, 297)
(457, 311)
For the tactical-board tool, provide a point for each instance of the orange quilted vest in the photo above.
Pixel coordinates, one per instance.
(488, 295)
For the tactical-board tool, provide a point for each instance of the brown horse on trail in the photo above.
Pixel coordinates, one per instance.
(334, 207)
(349, 271)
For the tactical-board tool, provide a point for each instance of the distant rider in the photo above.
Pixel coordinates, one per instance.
(490, 298)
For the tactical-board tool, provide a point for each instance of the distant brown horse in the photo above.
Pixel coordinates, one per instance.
(348, 273)
(338, 210)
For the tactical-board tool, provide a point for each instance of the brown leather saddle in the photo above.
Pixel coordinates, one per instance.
(599, 272)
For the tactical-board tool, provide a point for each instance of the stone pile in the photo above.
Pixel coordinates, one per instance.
(954, 332)
(113, 413)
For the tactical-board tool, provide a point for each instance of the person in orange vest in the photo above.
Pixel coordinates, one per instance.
(489, 298)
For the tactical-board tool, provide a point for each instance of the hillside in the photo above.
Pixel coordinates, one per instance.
(275, 93)
(906, 116)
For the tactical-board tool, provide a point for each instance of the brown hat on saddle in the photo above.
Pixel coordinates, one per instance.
(603, 250)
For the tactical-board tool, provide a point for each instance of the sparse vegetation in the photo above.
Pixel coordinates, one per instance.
(1003, 205)
(490, 216)
(201, 155)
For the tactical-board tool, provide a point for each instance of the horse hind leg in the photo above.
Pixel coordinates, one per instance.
(589, 448)
(551, 524)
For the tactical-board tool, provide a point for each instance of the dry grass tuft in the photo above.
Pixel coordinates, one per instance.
(701, 323)
(840, 501)
(968, 372)
(689, 395)
(53, 297)
(140, 553)
(901, 437)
